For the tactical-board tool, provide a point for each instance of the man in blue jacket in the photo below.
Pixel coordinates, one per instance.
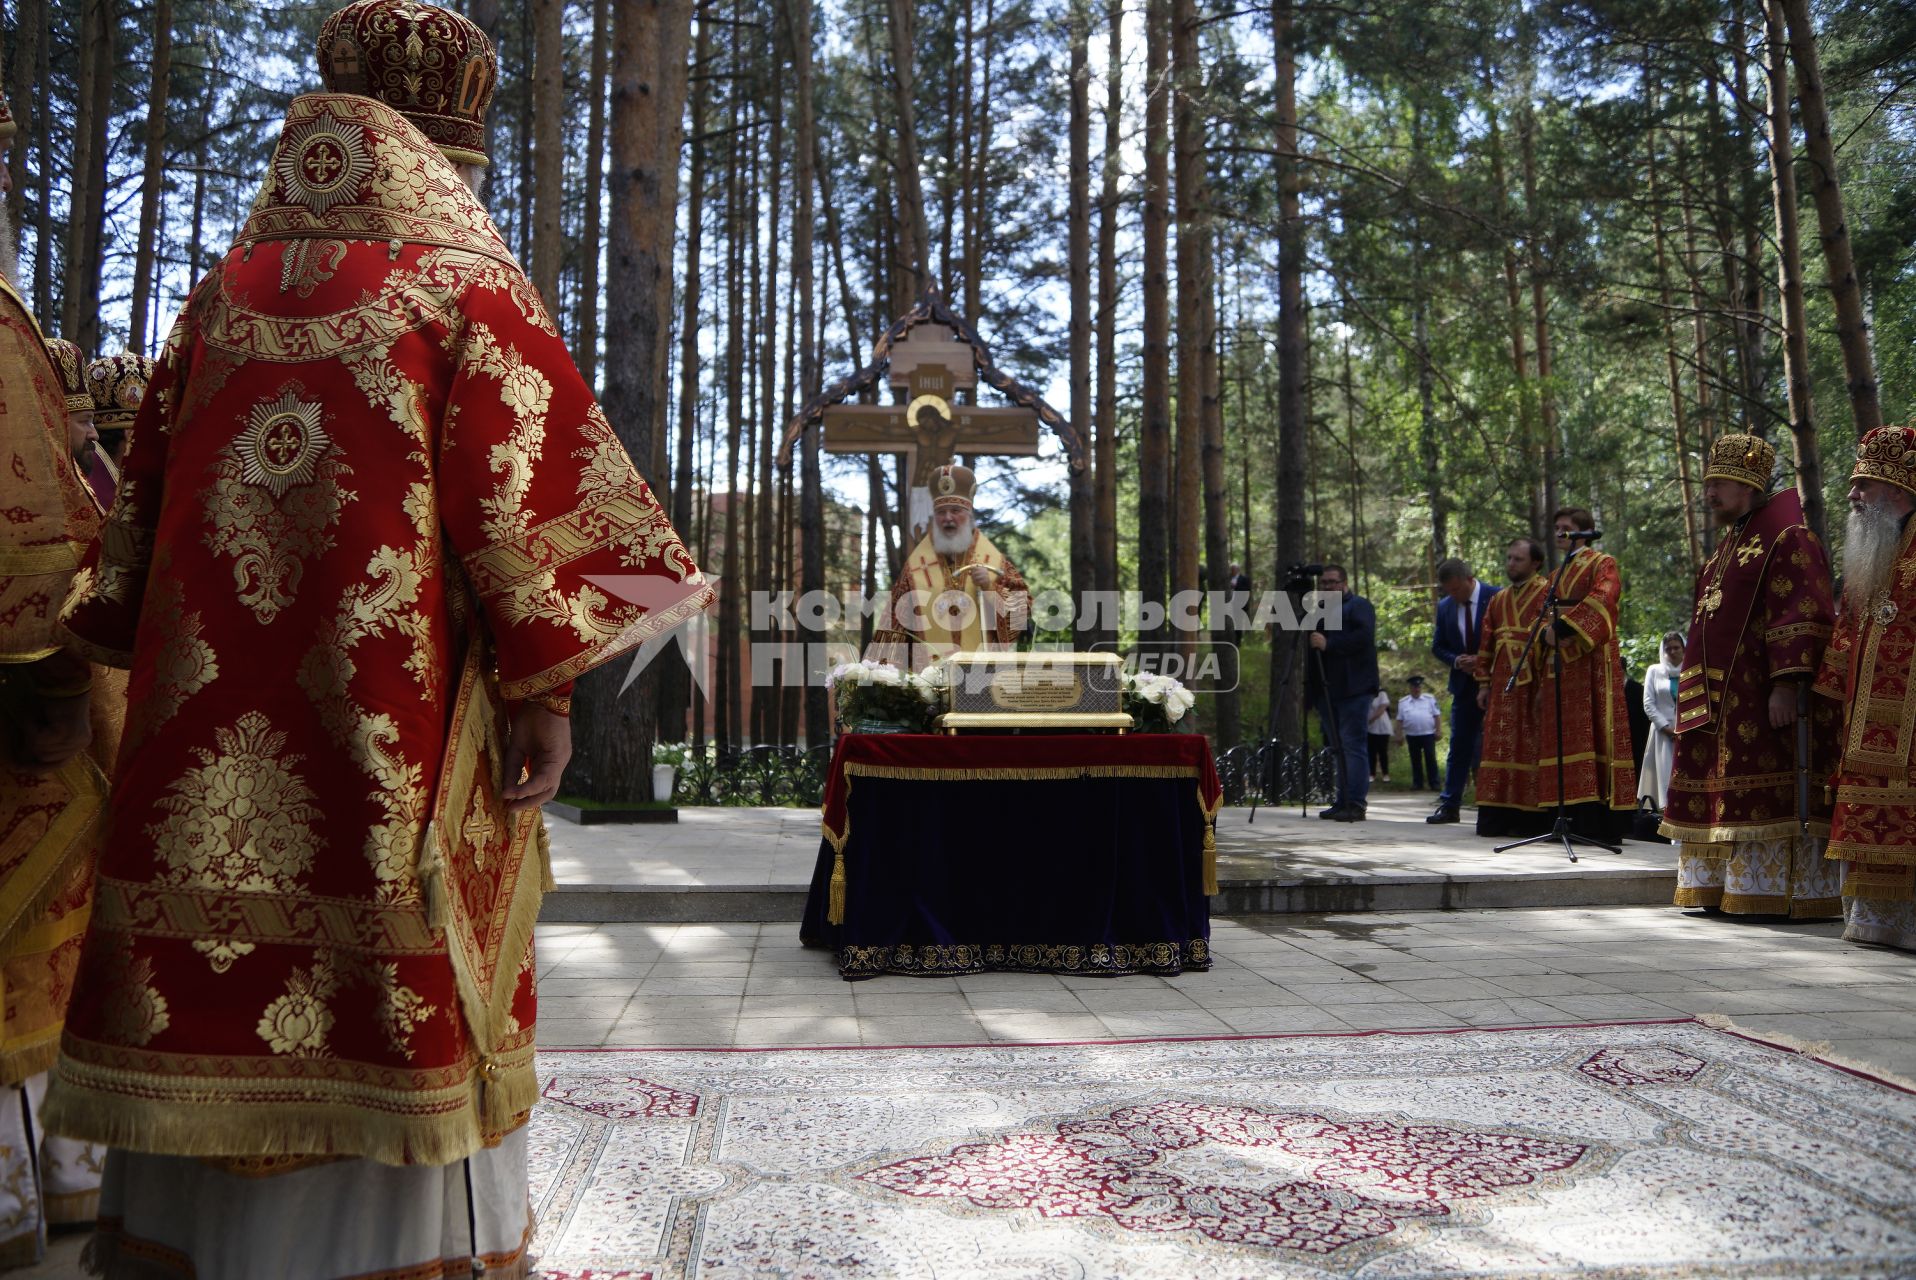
(1349, 648)
(1459, 615)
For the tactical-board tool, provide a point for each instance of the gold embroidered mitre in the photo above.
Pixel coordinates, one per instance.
(1889, 454)
(434, 66)
(1745, 459)
(70, 363)
(952, 486)
(115, 386)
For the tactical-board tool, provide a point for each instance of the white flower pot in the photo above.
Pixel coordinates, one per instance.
(663, 776)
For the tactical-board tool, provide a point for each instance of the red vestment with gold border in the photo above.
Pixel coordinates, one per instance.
(49, 828)
(1868, 666)
(1763, 613)
(364, 508)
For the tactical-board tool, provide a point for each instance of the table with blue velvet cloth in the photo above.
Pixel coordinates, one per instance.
(1055, 853)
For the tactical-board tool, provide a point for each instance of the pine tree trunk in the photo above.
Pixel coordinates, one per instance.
(612, 734)
(811, 482)
(769, 421)
(591, 233)
(738, 225)
(1789, 270)
(1217, 498)
(1154, 440)
(1106, 449)
(1852, 320)
(1672, 361)
(1078, 271)
(1429, 451)
(981, 203)
(23, 96)
(1527, 444)
(548, 152)
(1293, 436)
(913, 240)
(152, 181)
(1187, 519)
(80, 307)
(43, 187)
(1540, 317)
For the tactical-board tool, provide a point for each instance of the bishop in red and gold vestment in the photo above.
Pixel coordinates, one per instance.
(1762, 614)
(52, 777)
(353, 569)
(1868, 667)
(1506, 770)
(957, 592)
(1519, 768)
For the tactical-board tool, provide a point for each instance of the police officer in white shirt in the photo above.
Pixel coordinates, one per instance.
(1421, 719)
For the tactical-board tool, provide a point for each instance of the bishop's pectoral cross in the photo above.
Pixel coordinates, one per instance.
(928, 368)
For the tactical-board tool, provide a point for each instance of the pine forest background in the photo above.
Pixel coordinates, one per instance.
(1375, 283)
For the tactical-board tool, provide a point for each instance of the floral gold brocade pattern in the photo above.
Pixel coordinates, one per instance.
(311, 478)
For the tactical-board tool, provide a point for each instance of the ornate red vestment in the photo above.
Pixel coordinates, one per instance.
(49, 832)
(1868, 666)
(1506, 772)
(1519, 764)
(363, 508)
(1763, 613)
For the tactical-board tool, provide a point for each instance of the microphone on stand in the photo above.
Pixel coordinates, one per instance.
(1582, 535)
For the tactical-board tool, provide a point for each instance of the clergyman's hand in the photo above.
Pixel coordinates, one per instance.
(1466, 663)
(539, 747)
(1782, 706)
(981, 576)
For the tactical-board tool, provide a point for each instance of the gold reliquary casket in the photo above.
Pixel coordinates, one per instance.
(998, 692)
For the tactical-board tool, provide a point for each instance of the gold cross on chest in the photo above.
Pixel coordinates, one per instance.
(323, 163)
(927, 369)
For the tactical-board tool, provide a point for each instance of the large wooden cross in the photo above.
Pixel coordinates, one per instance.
(928, 427)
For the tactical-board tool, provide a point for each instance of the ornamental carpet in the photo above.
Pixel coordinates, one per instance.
(1623, 1150)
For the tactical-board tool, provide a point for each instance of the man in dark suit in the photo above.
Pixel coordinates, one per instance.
(1349, 667)
(1454, 643)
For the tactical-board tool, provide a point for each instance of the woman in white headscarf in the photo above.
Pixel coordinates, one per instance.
(1659, 703)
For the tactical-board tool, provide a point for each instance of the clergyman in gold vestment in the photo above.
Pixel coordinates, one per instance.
(956, 592)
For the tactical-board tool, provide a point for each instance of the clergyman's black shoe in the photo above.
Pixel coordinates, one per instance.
(1331, 814)
(1354, 813)
(1445, 813)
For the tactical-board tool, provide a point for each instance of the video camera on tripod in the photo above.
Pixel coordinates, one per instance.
(1301, 577)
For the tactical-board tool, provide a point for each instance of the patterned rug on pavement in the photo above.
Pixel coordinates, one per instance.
(1639, 1150)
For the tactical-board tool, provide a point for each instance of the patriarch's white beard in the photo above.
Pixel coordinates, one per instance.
(951, 544)
(1870, 540)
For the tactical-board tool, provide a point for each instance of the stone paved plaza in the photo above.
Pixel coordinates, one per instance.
(753, 984)
(750, 984)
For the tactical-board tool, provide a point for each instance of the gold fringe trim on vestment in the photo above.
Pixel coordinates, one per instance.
(1781, 904)
(73, 1208)
(122, 1110)
(1698, 896)
(21, 1251)
(1821, 1050)
(1698, 839)
(1891, 855)
(20, 1062)
(1862, 881)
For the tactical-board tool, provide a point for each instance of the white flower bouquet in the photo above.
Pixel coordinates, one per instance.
(876, 697)
(1155, 703)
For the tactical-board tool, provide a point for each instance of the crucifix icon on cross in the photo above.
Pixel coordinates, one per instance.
(928, 368)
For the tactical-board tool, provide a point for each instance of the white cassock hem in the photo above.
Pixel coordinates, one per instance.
(172, 1217)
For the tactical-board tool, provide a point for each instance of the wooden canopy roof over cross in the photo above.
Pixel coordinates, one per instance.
(933, 363)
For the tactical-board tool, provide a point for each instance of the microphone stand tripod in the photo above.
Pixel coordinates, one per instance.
(1332, 736)
(1547, 617)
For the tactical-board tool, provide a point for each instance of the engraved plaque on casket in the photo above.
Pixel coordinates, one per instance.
(993, 690)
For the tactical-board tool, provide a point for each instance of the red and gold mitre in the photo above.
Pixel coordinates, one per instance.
(8, 125)
(1745, 459)
(70, 363)
(952, 486)
(432, 65)
(1887, 453)
(116, 385)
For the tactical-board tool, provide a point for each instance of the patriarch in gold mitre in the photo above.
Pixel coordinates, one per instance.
(957, 592)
